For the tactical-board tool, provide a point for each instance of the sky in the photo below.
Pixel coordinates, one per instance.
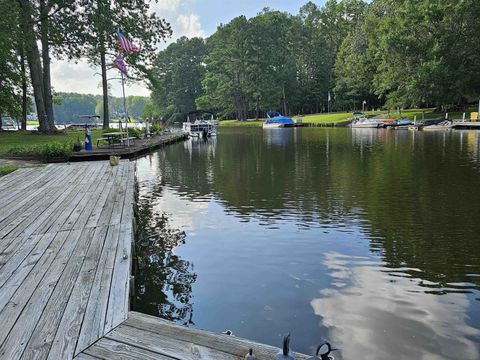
(187, 17)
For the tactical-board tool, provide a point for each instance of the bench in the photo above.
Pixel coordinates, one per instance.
(103, 139)
(125, 140)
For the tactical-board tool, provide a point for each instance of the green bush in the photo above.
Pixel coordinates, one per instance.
(47, 152)
(155, 128)
(137, 133)
(56, 151)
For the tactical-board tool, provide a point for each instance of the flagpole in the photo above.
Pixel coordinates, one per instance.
(125, 108)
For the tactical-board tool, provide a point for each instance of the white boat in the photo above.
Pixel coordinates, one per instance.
(276, 120)
(361, 121)
(444, 125)
(197, 126)
(366, 123)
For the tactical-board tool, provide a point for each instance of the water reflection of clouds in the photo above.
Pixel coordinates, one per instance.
(372, 315)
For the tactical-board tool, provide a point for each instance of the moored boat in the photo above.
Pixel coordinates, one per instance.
(197, 126)
(277, 120)
(360, 120)
(444, 125)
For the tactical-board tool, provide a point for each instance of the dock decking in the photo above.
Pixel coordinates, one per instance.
(140, 147)
(65, 252)
(66, 235)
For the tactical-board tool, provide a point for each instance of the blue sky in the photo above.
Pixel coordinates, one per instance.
(188, 18)
(218, 11)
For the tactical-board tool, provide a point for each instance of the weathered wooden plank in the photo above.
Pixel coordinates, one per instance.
(94, 320)
(10, 180)
(23, 281)
(5, 243)
(13, 308)
(39, 344)
(127, 210)
(113, 196)
(32, 206)
(14, 255)
(118, 304)
(29, 197)
(111, 349)
(95, 201)
(83, 356)
(91, 194)
(230, 344)
(63, 345)
(21, 332)
(39, 220)
(166, 345)
(93, 220)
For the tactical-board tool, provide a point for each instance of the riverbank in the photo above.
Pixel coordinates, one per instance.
(34, 147)
(341, 119)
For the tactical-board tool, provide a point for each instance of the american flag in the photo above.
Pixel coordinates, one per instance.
(126, 45)
(120, 63)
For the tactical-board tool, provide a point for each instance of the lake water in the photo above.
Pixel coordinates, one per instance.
(367, 238)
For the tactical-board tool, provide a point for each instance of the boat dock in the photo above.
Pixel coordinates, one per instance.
(66, 237)
(138, 148)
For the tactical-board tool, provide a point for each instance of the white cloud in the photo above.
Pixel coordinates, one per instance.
(189, 26)
(372, 315)
(80, 77)
(165, 5)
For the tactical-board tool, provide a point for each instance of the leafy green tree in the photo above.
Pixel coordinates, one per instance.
(102, 21)
(427, 51)
(176, 76)
(226, 80)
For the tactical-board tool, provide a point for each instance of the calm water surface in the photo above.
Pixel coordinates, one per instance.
(367, 238)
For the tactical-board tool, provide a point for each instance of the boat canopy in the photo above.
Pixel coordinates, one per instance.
(274, 117)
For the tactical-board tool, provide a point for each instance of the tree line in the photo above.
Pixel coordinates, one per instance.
(32, 32)
(384, 53)
(68, 107)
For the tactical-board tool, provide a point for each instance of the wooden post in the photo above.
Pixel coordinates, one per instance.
(463, 117)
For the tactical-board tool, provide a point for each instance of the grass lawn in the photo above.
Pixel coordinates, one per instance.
(343, 116)
(314, 118)
(330, 118)
(7, 169)
(13, 139)
(236, 123)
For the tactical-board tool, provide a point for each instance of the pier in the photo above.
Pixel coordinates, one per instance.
(66, 237)
(137, 148)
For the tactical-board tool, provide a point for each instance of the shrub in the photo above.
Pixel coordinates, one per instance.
(134, 132)
(56, 151)
(46, 153)
(155, 128)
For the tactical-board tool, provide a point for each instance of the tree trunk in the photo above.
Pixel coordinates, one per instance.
(47, 87)
(106, 115)
(24, 87)
(34, 64)
(285, 113)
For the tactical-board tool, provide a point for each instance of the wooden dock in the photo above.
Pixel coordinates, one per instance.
(140, 147)
(66, 235)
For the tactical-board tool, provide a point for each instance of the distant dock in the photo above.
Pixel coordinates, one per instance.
(66, 237)
(137, 148)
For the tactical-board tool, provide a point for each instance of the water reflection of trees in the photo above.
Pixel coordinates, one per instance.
(163, 282)
(414, 194)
